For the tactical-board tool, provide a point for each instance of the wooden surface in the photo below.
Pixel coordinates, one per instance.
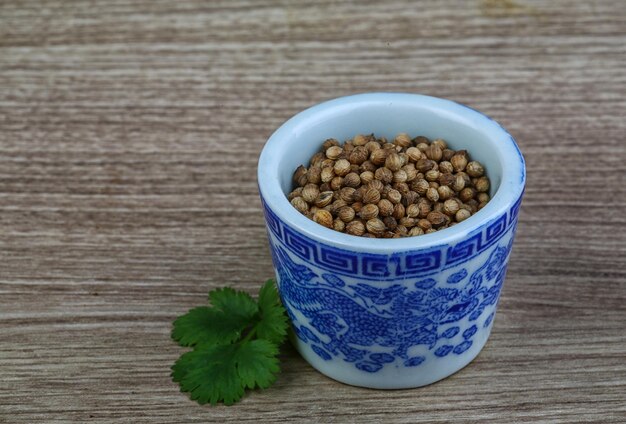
(129, 134)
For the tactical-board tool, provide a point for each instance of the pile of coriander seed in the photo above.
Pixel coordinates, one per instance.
(371, 187)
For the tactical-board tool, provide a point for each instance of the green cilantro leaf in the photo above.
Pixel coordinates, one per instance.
(273, 324)
(235, 345)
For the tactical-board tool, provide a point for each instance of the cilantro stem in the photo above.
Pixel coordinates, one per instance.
(250, 334)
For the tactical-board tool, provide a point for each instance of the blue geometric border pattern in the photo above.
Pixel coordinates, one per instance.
(406, 265)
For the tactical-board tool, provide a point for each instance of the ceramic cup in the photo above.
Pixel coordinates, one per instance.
(391, 313)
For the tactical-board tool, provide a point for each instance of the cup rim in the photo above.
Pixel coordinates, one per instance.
(508, 193)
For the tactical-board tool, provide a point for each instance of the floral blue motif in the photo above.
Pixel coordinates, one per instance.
(373, 326)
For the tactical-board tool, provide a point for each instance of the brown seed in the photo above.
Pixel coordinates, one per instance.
(446, 179)
(424, 165)
(462, 215)
(372, 145)
(368, 235)
(407, 222)
(404, 158)
(482, 205)
(421, 139)
(300, 204)
(424, 208)
(359, 140)
(410, 198)
(295, 193)
(347, 194)
(403, 140)
(399, 176)
(371, 196)
(390, 222)
(323, 217)
(352, 179)
(422, 147)
(324, 199)
(369, 211)
(466, 194)
(310, 192)
(318, 158)
(376, 185)
(398, 211)
(336, 183)
(333, 152)
(366, 177)
(314, 175)
(413, 211)
(424, 224)
(375, 226)
(445, 167)
(312, 211)
(327, 174)
(458, 184)
(330, 142)
(358, 194)
(420, 186)
(411, 172)
(384, 174)
(414, 154)
(473, 204)
(482, 184)
(474, 169)
(430, 231)
(459, 160)
(357, 206)
(367, 166)
(393, 162)
(394, 196)
(437, 219)
(358, 155)
(339, 225)
(432, 194)
(438, 207)
(336, 205)
(433, 184)
(440, 143)
(432, 175)
(327, 163)
(447, 154)
(300, 176)
(482, 197)
(434, 152)
(355, 228)
(415, 231)
(388, 234)
(401, 230)
(378, 157)
(342, 167)
(450, 207)
(445, 192)
(385, 207)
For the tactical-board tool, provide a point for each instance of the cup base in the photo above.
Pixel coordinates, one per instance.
(391, 377)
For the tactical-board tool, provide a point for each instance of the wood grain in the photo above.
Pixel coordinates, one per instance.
(129, 134)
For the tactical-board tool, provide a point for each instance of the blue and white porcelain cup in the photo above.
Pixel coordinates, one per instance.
(391, 313)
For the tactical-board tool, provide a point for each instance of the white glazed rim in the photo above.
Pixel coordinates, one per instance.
(510, 189)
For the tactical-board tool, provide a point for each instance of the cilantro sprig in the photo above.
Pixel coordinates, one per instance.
(235, 345)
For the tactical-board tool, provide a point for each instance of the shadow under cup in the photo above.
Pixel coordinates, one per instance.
(391, 313)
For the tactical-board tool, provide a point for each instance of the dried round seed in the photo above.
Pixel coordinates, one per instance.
(440, 143)
(446, 179)
(414, 154)
(378, 157)
(432, 194)
(420, 186)
(434, 152)
(359, 140)
(474, 169)
(482, 197)
(324, 199)
(376, 185)
(371, 196)
(336, 205)
(366, 177)
(341, 167)
(446, 167)
(398, 211)
(411, 172)
(462, 215)
(330, 142)
(394, 196)
(390, 222)
(346, 213)
(336, 183)
(401, 230)
(458, 184)
(357, 206)
(372, 145)
(447, 154)
(367, 166)
(300, 204)
(432, 175)
(375, 226)
(407, 222)
(393, 162)
(339, 225)
(369, 211)
(295, 193)
(355, 228)
(424, 165)
(385, 207)
(424, 224)
(459, 160)
(422, 146)
(323, 217)
(482, 184)
(399, 176)
(352, 179)
(358, 155)
(415, 231)
(413, 211)
(466, 194)
(384, 174)
(403, 140)
(437, 219)
(445, 192)
(327, 174)
(310, 192)
(450, 207)
(333, 152)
